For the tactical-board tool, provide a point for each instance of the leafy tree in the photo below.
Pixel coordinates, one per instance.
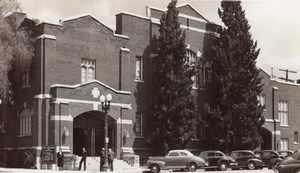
(16, 49)
(174, 108)
(232, 112)
(16, 52)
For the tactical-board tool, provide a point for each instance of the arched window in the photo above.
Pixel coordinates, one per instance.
(25, 122)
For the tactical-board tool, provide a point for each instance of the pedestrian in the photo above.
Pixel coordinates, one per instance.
(102, 159)
(83, 159)
(60, 160)
(111, 158)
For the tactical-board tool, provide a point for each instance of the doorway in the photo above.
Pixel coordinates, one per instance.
(89, 132)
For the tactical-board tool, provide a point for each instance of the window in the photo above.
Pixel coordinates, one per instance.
(138, 68)
(262, 100)
(25, 79)
(284, 144)
(191, 60)
(174, 154)
(283, 113)
(296, 137)
(183, 154)
(88, 67)
(25, 122)
(138, 125)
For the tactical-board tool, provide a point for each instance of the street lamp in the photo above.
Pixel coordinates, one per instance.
(273, 114)
(105, 102)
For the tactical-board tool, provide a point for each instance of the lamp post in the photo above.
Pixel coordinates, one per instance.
(273, 115)
(105, 102)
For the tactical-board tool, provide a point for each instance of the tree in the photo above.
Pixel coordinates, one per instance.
(174, 108)
(232, 112)
(16, 52)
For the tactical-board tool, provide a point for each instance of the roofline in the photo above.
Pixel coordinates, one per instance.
(61, 22)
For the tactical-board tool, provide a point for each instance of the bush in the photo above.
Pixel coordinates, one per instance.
(17, 158)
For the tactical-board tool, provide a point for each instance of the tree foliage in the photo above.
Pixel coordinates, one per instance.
(174, 108)
(232, 112)
(16, 50)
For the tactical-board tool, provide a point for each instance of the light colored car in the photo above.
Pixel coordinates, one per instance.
(176, 159)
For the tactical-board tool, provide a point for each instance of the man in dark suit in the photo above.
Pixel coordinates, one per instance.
(83, 159)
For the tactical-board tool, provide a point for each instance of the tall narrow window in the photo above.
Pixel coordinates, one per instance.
(25, 122)
(283, 113)
(138, 125)
(191, 60)
(284, 144)
(296, 137)
(88, 69)
(138, 68)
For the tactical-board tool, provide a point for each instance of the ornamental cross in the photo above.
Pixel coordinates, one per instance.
(95, 92)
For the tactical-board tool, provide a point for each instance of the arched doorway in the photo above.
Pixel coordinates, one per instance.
(267, 139)
(88, 132)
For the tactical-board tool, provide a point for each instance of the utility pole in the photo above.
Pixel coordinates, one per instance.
(287, 73)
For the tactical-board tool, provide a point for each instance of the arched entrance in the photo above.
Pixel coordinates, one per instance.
(88, 132)
(267, 139)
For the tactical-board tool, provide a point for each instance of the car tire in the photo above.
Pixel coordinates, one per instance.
(155, 168)
(193, 167)
(251, 165)
(223, 166)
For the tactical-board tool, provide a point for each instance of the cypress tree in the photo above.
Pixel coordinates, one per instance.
(174, 108)
(232, 112)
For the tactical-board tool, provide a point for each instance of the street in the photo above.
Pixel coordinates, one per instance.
(265, 170)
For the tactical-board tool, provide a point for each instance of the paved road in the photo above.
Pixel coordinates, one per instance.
(229, 171)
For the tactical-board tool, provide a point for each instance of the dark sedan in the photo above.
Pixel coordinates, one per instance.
(246, 159)
(289, 165)
(269, 157)
(217, 160)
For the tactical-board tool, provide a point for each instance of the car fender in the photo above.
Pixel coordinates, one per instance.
(223, 160)
(199, 161)
(255, 160)
(161, 164)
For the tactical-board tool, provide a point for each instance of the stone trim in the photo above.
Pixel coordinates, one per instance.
(46, 36)
(61, 118)
(124, 121)
(43, 96)
(89, 82)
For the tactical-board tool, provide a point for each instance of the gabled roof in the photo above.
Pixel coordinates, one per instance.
(181, 12)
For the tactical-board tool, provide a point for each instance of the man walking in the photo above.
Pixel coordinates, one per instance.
(111, 158)
(102, 159)
(83, 159)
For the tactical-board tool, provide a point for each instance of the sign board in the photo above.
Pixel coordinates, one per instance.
(49, 154)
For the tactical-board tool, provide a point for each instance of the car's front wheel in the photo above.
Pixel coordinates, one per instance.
(223, 166)
(155, 168)
(251, 165)
(193, 167)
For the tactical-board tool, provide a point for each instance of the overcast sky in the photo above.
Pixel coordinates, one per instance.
(275, 23)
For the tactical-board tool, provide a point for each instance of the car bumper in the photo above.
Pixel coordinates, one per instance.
(233, 164)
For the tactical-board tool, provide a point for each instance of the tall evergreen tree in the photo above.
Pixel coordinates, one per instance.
(174, 109)
(232, 112)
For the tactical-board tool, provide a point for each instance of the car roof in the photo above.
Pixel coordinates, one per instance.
(206, 151)
(236, 151)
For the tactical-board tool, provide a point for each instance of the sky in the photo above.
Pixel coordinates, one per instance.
(275, 24)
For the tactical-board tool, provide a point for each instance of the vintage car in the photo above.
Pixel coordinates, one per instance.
(286, 153)
(289, 165)
(217, 160)
(269, 157)
(176, 159)
(246, 159)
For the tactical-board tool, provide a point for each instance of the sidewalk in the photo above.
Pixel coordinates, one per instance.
(11, 170)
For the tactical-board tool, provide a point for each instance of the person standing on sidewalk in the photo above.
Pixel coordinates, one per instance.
(102, 158)
(111, 158)
(83, 159)
(60, 160)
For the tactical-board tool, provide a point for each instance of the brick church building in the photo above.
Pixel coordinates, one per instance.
(80, 59)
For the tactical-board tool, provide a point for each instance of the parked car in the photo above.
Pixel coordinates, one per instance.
(217, 160)
(269, 157)
(246, 159)
(176, 159)
(291, 165)
(286, 153)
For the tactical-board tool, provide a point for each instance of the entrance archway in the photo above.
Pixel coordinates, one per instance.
(267, 139)
(88, 132)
